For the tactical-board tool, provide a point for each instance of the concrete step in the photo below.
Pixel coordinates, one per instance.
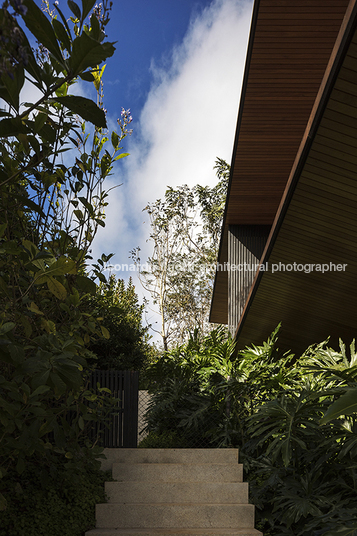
(233, 516)
(168, 456)
(173, 472)
(174, 532)
(181, 492)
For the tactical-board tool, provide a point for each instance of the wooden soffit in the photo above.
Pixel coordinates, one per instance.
(289, 48)
(316, 223)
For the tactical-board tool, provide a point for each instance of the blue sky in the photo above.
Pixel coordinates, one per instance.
(145, 31)
(178, 66)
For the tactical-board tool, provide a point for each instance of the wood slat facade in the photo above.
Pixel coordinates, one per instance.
(302, 179)
(245, 243)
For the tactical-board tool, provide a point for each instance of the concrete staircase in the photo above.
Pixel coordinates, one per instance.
(176, 492)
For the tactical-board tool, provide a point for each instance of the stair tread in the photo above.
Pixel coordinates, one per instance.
(171, 464)
(204, 456)
(175, 531)
(183, 492)
(177, 471)
(136, 509)
(177, 503)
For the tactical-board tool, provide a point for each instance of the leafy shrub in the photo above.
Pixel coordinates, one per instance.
(127, 348)
(165, 440)
(49, 214)
(190, 389)
(63, 505)
(293, 419)
(302, 469)
(205, 392)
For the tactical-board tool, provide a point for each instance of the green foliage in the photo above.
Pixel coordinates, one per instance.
(62, 205)
(185, 228)
(287, 414)
(165, 440)
(64, 505)
(126, 345)
(302, 468)
(207, 392)
(191, 390)
(49, 214)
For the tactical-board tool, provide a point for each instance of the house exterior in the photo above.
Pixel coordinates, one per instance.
(288, 248)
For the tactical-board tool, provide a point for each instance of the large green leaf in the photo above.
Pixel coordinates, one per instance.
(56, 288)
(86, 284)
(74, 8)
(5, 328)
(86, 108)
(87, 5)
(11, 86)
(39, 25)
(345, 405)
(87, 52)
(60, 267)
(62, 34)
(31, 64)
(64, 20)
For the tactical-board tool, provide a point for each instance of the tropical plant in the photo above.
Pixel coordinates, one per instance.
(206, 391)
(299, 448)
(302, 465)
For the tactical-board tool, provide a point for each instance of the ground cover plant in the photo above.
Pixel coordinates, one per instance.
(292, 417)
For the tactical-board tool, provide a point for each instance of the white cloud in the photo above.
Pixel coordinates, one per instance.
(188, 120)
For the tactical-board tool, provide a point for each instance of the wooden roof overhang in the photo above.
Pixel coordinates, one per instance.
(289, 48)
(316, 222)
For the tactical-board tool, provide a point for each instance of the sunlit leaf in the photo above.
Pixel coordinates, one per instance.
(122, 155)
(105, 332)
(345, 405)
(35, 309)
(56, 288)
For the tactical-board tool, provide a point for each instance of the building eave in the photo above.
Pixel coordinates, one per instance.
(316, 222)
(289, 48)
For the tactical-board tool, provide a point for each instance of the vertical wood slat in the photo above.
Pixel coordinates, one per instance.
(245, 247)
(120, 428)
(120, 404)
(130, 424)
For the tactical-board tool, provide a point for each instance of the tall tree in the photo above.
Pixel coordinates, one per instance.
(185, 227)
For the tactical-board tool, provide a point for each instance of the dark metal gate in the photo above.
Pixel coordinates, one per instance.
(120, 428)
